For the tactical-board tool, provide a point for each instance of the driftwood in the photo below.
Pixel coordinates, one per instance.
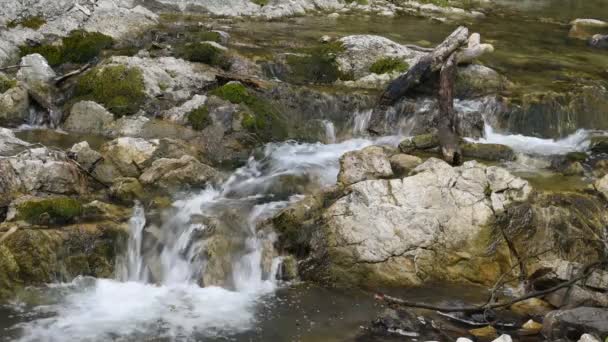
(60, 79)
(448, 139)
(422, 70)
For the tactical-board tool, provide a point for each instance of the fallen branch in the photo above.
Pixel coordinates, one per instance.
(14, 67)
(586, 272)
(448, 139)
(61, 79)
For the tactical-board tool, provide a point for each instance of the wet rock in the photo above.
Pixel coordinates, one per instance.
(10, 144)
(476, 80)
(583, 28)
(573, 169)
(532, 327)
(368, 163)
(600, 169)
(491, 152)
(402, 163)
(588, 338)
(463, 339)
(88, 117)
(397, 322)
(384, 231)
(129, 154)
(487, 332)
(563, 270)
(14, 106)
(577, 296)
(289, 268)
(126, 190)
(599, 41)
(46, 211)
(599, 144)
(573, 323)
(171, 174)
(362, 51)
(100, 211)
(419, 142)
(503, 338)
(533, 307)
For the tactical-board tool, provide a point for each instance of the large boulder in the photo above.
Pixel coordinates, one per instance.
(475, 80)
(490, 152)
(14, 106)
(182, 173)
(10, 144)
(429, 226)
(119, 22)
(129, 154)
(88, 117)
(573, 323)
(368, 163)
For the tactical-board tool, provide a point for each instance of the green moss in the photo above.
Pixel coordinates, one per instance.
(389, 64)
(260, 2)
(9, 272)
(33, 22)
(440, 3)
(118, 88)
(360, 2)
(79, 47)
(6, 83)
(58, 210)
(208, 36)
(205, 53)
(199, 118)
(318, 65)
(262, 119)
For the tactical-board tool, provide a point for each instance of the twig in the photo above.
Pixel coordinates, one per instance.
(62, 78)
(14, 67)
(88, 173)
(587, 270)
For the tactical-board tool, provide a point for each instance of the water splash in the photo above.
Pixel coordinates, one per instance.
(330, 131)
(578, 141)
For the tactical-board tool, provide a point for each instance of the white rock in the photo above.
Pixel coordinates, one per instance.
(503, 338)
(588, 338)
(368, 163)
(9, 143)
(463, 339)
(334, 15)
(88, 117)
(128, 154)
(35, 69)
(178, 114)
(589, 22)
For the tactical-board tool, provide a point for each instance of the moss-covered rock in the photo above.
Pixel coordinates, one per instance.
(118, 88)
(388, 65)
(207, 53)
(316, 65)
(78, 47)
(49, 211)
(490, 152)
(261, 118)
(33, 22)
(419, 142)
(6, 83)
(199, 118)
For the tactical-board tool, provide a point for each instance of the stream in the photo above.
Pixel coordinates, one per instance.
(154, 295)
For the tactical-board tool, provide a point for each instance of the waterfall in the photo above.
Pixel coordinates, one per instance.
(134, 269)
(330, 131)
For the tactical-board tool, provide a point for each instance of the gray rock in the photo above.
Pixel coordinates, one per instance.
(35, 70)
(9, 144)
(575, 297)
(368, 163)
(118, 22)
(85, 155)
(182, 173)
(601, 185)
(178, 114)
(477, 80)
(588, 338)
(575, 322)
(88, 117)
(490, 152)
(599, 41)
(402, 163)
(129, 154)
(14, 106)
(126, 190)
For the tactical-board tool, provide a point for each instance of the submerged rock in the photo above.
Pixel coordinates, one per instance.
(573, 323)
(490, 152)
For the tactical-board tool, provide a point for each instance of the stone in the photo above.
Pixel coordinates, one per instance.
(10, 144)
(577, 296)
(402, 163)
(532, 327)
(463, 339)
(503, 338)
(35, 69)
(588, 338)
(599, 144)
(574, 169)
(179, 114)
(289, 268)
(368, 163)
(183, 173)
(362, 51)
(129, 154)
(599, 41)
(489, 152)
(573, 323)
(85, 155)
(383, 232)
(563, 270)
(474, 80)
(533, 307)
(88, 117)
(119, 22)
(486, 332)
(14, 106)
(126, 190)
(419, 142)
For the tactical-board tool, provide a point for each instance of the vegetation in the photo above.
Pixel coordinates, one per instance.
(199, 118)
(59, 210)
(260, 2)
(205, 53)
(389, 64)
(79, 47)
(6, 83)
(318, 65)
(118, 88)
(440, 3)
(261, 118)
(360, 2)
(33, 22)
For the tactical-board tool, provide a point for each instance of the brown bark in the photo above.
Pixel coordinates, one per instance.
(420, 71)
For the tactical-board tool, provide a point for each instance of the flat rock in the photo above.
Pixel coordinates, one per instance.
(368, 163)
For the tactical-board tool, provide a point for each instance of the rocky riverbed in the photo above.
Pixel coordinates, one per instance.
(185, 170)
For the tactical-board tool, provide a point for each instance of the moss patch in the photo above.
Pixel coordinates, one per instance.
(389, 64)
(262, 118)
(33, 22)
(318, 65)
(199, 118)
(79, 47)
(59, 210)
(205, 53)
(260, 2)
(118, 88)
(6, 83)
